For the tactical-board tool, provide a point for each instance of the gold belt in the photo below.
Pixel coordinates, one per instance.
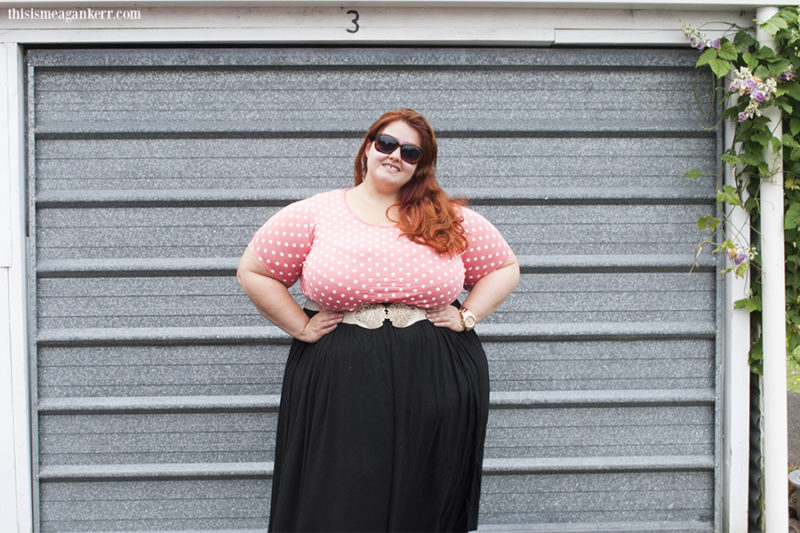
(372, 316)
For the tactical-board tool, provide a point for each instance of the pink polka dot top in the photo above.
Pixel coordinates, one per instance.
(344, 262)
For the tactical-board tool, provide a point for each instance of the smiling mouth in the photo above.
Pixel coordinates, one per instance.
(392, 167)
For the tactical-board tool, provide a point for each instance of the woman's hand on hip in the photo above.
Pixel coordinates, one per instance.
(320, 324)
(446, 317)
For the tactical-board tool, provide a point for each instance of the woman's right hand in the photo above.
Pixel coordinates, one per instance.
(272, 299)
(319, 325)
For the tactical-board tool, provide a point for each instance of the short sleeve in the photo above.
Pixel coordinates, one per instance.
(487, 250)
(283, 242)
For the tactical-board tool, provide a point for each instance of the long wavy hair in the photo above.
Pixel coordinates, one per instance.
(427, 215)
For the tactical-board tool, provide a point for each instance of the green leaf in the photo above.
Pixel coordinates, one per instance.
(709, 221)
(792, 89)
(743, 39)
(776, 144)
(774, 24)
(790, 141)
(729, 195)
(789, 14)
(777, 67)
(784, 105)
(730, 114)
(727, 51)
(792, 218)
(794, 354)
(762, 72)
(776, 59)
(756, 356)
(720, 67)
(750, 60)
(741, 270)
(753, 158)
(751, 304)
(794, 126)
(744, 129)
(765, 52)
(694, 174)
(761, 137)
(731, 159)
(705, 57)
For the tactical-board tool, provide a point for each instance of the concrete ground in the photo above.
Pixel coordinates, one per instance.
(794, 427)
(794, 447)
(793, 402)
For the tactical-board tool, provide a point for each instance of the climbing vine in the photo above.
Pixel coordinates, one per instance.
(759, 77)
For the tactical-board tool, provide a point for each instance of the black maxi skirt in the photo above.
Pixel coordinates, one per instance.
(381, 430)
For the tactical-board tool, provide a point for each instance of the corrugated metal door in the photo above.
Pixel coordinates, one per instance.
(155, 382)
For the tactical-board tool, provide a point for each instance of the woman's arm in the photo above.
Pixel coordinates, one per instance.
(272, 299)
(486, 296)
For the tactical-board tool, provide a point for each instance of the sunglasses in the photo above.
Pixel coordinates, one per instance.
(386, 144)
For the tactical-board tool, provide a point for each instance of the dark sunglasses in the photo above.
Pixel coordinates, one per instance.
(386, 144)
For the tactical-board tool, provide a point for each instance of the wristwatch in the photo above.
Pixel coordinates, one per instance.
(468, 320)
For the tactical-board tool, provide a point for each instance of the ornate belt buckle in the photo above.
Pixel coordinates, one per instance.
(370, 316)
(400, 315)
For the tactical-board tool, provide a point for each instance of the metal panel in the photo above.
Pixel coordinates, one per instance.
(609, 160)
(155, 504)
(133, 438)
(156, 383)
(174, 232)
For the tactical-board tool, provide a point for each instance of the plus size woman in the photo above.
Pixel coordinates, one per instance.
(386, 389)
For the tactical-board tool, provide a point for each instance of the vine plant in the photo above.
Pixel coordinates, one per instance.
(761, 77)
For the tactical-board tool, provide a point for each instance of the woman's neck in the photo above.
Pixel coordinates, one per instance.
(371, 204)
(370, 194)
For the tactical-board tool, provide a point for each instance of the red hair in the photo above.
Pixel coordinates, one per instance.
(427, 215)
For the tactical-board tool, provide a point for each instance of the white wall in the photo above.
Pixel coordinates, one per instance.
(15, 481)
(526, 23)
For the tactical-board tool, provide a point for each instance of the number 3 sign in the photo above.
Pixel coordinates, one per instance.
(354, 21)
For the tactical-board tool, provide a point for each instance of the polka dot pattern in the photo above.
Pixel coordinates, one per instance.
(344, 262)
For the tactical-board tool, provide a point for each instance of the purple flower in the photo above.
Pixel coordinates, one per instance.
(697, 38)
(758, 90)
(698, 43)
(738, 85)
(738, 254)
(788, 75)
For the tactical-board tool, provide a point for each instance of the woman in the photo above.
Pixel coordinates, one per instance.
(383, 408)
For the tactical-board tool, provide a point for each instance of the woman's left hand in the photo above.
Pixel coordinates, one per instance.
(446, 317)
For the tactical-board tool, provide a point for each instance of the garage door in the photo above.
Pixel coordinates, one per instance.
(156, 384)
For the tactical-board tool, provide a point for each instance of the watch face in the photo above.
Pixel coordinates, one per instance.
(468, 319)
